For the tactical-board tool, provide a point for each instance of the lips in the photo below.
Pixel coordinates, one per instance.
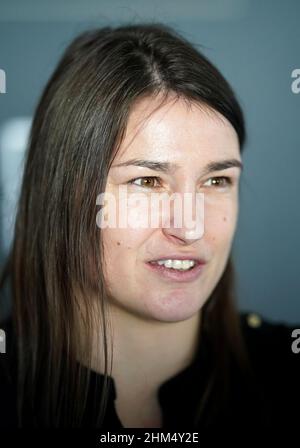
(176, 275)
(168, 274)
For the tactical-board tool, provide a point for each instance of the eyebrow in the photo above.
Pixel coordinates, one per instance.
(168, 167)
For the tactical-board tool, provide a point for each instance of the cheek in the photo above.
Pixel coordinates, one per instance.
(121, 251)
(220, 222)
(121, 247)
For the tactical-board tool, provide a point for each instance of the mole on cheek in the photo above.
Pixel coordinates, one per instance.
(224, 219)
(118, 243)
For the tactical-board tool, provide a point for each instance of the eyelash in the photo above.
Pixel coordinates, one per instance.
(226, 178)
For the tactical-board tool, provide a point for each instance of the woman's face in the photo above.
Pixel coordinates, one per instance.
(191, 139)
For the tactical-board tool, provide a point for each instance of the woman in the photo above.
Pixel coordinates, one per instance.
(110, 328)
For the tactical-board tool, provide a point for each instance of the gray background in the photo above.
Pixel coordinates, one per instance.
(256, 45)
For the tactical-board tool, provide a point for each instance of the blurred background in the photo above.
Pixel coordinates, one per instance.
(256, 45)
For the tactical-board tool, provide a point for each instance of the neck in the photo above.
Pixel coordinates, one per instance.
(147, 353)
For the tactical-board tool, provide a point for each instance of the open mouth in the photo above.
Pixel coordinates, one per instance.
(178, 274)
(181, 266)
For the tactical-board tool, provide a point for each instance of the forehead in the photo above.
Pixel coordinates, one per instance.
(177, 128)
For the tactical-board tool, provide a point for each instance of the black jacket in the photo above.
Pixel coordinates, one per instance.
(272, 401)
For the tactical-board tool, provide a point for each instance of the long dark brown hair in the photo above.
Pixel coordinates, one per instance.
(56, 260)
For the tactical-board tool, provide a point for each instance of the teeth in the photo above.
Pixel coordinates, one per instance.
(183, 265)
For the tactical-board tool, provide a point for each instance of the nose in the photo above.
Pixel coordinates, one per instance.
(183, 223)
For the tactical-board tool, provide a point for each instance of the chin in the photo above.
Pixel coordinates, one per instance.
(175, 307)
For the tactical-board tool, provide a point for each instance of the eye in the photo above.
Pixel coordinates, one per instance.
(221, 181)
(146, 181)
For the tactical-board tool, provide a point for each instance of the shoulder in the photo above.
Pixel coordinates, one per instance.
(6, 347)
(272, 343)
(7, 376)
(272, 339)
(274, 352)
